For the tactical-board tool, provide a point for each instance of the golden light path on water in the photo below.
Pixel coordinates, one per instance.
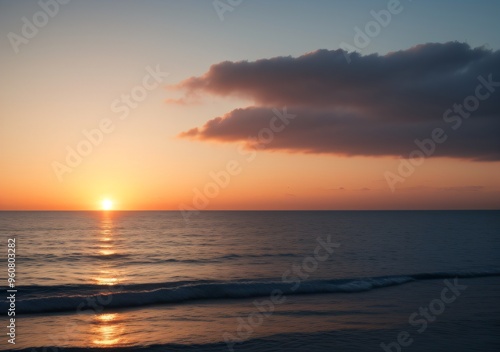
(106, 247)
(107, 328)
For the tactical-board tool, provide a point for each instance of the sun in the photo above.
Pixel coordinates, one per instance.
(107, 204)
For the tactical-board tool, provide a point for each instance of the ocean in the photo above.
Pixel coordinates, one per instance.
(253, 281)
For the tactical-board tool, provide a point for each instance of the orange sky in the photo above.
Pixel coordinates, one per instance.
(68, 79)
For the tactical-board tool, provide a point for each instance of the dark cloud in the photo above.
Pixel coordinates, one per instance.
(374, 105)
(336, 189)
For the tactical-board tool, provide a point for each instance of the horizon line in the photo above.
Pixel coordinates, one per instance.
(237, 210)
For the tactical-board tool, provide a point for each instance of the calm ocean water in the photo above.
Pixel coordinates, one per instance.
(256, 281)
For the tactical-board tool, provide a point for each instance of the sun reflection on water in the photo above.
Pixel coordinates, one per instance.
(106, 277)
(106, 251)
(107, 274)
(108, 330)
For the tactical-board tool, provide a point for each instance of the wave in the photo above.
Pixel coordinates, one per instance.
(44, 299)
(152, 260)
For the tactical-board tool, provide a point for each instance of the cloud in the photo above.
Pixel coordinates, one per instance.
(336, 189)
(374, 106)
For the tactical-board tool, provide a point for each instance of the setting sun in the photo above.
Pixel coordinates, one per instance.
(107, 204)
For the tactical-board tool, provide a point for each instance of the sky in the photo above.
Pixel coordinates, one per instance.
(286, 104)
